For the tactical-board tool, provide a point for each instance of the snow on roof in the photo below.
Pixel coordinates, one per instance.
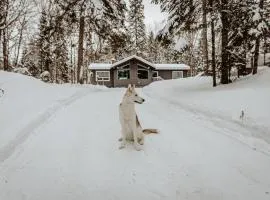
(131, 57)
(107, 66)
(100, 66)
(172, 67)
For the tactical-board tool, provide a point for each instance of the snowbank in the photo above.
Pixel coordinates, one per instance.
(250, 94)
(61, 142)
(27, 99)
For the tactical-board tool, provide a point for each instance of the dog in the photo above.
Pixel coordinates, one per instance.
(131, 128)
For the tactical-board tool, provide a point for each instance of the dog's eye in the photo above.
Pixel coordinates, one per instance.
(136, 95)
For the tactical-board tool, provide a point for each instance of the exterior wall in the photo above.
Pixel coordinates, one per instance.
(167, 74)
(106, 83)
(133, 64)
(186, 73)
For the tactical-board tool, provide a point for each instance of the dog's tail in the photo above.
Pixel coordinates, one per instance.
(150, 130)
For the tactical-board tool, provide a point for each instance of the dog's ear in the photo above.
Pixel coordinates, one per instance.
(129, 89)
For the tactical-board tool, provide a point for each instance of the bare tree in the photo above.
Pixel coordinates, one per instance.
(11, 11)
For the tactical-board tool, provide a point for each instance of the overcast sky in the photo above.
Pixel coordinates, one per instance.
(152, 13)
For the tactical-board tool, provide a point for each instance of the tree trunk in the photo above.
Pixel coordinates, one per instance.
(204, 38)
(224, 42)
(2, 17)
(257, 46)
(4, 36)
(80, 49)
(5, 50)
(213, 44)
(20, 41)
(264, 51)
(252, 62)
(256, 56)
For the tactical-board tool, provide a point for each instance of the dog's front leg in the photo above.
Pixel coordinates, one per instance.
(123, 139)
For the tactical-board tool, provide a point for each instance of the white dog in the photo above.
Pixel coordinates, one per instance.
(130, 125)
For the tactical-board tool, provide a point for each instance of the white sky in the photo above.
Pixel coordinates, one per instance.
(152, 13)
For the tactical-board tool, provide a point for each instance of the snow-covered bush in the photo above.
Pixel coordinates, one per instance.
(45, 76)
(22, 70)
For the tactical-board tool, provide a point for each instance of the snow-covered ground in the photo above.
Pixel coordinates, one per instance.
(60, 141)
(223, 105)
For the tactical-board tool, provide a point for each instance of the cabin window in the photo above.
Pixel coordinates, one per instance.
(102, 76)
(123, 73)
(142, 73)
(155, 74)
(177, 74)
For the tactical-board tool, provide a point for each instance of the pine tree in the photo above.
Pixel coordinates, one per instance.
(60, 54)
(261, 25)
(104, 13)
(30, 58)
(152, 47)
(45, 43)
(136, 26)
(186, 17)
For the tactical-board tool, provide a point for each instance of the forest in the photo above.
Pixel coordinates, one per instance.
(55, 40)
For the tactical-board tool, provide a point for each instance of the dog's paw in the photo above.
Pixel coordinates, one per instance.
(121, 147)
(141, 141)
(138, 147)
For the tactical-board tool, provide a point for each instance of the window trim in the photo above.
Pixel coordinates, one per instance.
(103, 79)
(182, 74)
(143, 69)
(122, 69)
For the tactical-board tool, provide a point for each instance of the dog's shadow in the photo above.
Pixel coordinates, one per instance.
(129, 145)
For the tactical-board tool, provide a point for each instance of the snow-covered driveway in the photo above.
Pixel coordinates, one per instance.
(75, 155)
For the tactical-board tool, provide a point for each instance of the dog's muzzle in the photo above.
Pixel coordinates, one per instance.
(140, 102)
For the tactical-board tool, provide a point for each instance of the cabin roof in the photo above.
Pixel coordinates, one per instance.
(108, 66)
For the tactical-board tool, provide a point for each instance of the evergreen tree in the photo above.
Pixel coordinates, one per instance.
(240, 25)
(260, 24)
(60, 54)
(152, 47)
(136, 26)
(30, 58)
(44, 43)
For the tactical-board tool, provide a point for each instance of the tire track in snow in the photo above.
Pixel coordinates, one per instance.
(41, 119)
(224, 124)
(261, 131)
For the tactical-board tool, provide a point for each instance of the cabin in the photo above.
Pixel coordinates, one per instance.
(134, 70)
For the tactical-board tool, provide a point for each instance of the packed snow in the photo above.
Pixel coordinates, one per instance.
(61, 141)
